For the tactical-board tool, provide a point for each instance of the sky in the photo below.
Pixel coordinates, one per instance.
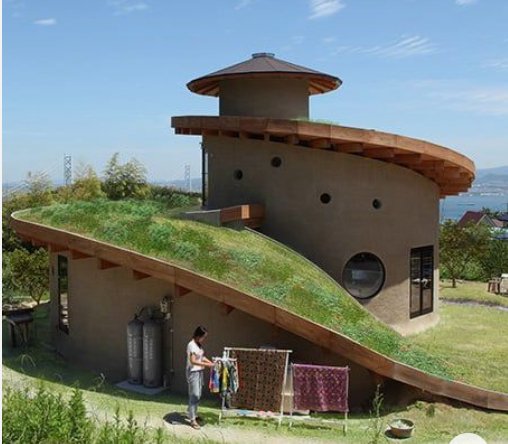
(95, 77)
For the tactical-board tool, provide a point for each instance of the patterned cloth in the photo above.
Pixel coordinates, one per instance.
(261, 373)
(320, 388)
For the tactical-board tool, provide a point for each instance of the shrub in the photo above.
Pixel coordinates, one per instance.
(29, 272)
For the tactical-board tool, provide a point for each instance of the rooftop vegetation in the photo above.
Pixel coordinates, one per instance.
(241, 259)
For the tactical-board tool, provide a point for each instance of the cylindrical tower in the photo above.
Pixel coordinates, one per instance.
(264, 86)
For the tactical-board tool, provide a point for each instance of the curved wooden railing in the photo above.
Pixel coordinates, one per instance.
(186, 280)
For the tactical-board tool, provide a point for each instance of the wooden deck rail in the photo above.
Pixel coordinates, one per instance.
(251, 214)
(292, 322)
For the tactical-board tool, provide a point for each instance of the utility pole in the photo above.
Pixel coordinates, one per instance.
(187, 178)
(67, 169)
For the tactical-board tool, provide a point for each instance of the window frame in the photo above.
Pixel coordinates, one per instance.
(420, 253)
(61, 325)
(381, 285)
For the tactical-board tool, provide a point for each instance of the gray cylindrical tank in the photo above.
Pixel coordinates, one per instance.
(135, 351)
(152, 353)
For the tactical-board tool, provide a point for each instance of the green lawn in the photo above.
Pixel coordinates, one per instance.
(435, 422)
(468, 291)
(241, 259)
(474, 341)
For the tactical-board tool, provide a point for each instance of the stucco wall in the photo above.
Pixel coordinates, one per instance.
(330, 234)
(102, 302)
(278, 98)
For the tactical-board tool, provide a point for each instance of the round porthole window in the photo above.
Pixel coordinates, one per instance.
(238, 174)
(276, 162)
(325, 198)
(376, 203)
(363, 276)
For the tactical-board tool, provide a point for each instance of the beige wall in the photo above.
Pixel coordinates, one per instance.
(101, 303)
(278, 98)
(331, 234)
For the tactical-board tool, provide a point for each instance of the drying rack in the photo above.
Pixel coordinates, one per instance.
(226, 356)
(344, 425)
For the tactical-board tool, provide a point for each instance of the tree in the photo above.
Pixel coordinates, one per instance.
(459, 246)
(495, 261)
(8, 288)
(124, 181)
(39, 188)
(29, 272)
(87, 185)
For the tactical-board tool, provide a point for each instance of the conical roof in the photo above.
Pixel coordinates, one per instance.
(264, 64)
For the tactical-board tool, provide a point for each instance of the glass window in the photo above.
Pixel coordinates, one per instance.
(421, 298)
(63, 294)
(363, 275)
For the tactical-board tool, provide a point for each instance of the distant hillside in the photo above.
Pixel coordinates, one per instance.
(498, 171)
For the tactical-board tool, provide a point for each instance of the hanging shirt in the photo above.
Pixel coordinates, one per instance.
(198, 352)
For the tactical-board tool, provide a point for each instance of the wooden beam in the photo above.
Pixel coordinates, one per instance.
(350, 148)
(225, 308)
(75, 255)
(292, 139)
(378, 153)
(408, 159)
(103, 264)
(180, 291)
(138, 275)
(320, 143)
(38, 243)
(54, 248)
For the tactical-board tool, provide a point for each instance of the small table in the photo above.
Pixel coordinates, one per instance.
(494, 285)
(18, 319)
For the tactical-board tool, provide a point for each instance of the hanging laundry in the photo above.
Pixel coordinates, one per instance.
(320, 388)
(233, 377)
(262, 376)
(224, 378)
(214, 383)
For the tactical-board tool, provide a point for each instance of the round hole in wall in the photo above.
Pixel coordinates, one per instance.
(364, 275)
(325, 198)
(238, 174)
(376, 203)
(276, 162)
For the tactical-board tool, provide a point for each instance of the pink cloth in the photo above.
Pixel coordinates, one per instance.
(320, 388)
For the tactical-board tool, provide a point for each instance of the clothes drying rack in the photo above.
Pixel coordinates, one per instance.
(226, 356)
(345, 412)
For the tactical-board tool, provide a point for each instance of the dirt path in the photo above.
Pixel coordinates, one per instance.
(473, 304)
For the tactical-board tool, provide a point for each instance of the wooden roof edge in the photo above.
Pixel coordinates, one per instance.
(311, 129)
(283, 317)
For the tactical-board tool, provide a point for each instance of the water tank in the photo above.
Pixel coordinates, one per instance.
(152, 353)
(135, 351)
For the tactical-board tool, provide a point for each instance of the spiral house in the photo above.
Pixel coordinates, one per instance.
(355, 209)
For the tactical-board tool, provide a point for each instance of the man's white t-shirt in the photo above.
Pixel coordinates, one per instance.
(198, 352)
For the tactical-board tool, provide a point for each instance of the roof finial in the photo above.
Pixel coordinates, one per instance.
(263, 54)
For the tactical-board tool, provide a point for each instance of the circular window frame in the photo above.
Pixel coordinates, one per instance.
(238, 174)
(383, 280)
(276, 162)
(325, 198)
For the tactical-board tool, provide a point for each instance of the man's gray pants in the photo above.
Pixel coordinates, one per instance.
(195, 382)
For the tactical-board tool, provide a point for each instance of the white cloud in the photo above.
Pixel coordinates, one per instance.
(501, 64)
(127, 6)
(465, 2)
(404, 47)
(325, 8)
(466, 97)
(243, 4)
(46, 22)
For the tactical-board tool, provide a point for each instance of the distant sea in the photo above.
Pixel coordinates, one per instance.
(454, 207)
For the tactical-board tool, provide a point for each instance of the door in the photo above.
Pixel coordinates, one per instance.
(421, 281)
